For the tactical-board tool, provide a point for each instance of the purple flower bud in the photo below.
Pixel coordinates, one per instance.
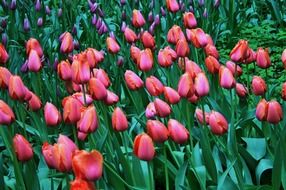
(122, 2)
(105, 29)
(70, 57)
(150, 17)
(157, 20)
(38, 5)
(40, 22)
(4, 3)
(60, 12)
(183, 7)
(191, 9)
(94, 20)
(48, 10)
(120, 61)
(74, 29)
(98, 23)
(205, 14)
(163, 12)
(123, 15)
(24, 67)
(123, 26)
(76, 44)
(26, 25)
(4, 23)
(92, 6)
(152, 28)
(100, 12)
(4, 39)
(13, 5)
(216, 3)
(201, 2)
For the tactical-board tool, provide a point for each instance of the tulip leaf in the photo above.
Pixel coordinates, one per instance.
(181, 175)
(263, 166)
(277, 167)
(256, 147)
(2, 183)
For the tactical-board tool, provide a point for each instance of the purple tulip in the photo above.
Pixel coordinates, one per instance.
(76, 44)
(157, 20)
(13, 5)
(100, 12)
(48, 10)
(122, 2)
(4, 23)
(4, 3)
(94, 20)
(4, 39)
(216, 3)
(24, 67)
(152, 28)
(60, 12)
(201, 2)
(123, 26)
(26, 25)
(74, 29)
(205, 14)
(123, 15)
(38, 5)
(163, 12)
(40, 22)
(120, 61)
(98, 23)
(150, 17)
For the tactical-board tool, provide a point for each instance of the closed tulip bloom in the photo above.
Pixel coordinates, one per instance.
(201, 85)
(4, 77)
(6, 114)
(88, 122)
(261, 110)
(119, 120)
(35, 103)
(172, 5)
(240, 51)
(130, 35)
(34, 61)
(154, 86)
(17, 89)
(241, 90)
(231, 66)
(157, 131)
(145, 61)
(177, 131)
(87, 165)
(93, 57)
(218, 123)
(96, 89)
(192, 68)
(226, 79)
(64, 70)
(200, 116)
(22, 148)
(79, 184)
(28, 95)
(171, 95)
(194, 99)
(148, 40)
(137, 19)
(101, 75)
(197, 37)
(283, 58)
(47, 151)
(71, 109)
(80, 97)
(189, 20)
(80, 72)
(66, 40)
(111, 98)
(262, 58)
(133, 81)
(150, 111)
(33, 44)
(81, 136)
(162, 108)
(52, 115)
(112, 45)
(212, 64)
(4, 56)
(144, 147)
(182, 48)
(62, 157)
(166, 57)
(274, 113)
(283, 91)
(251, 56)
(135, 53)
(211, 50)
(175, 34)
(258, 86)
(186, 86)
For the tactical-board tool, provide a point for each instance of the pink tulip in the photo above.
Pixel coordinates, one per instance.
(218, 123)
(157, 131)
(178, 133)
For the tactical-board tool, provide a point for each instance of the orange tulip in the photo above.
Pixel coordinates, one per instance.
(133, 81)
(189, 20)
(150, 111)
(80, 72)
(101, 75)
(218, 123)
(119, 120)
(201, 85)
(182, 48)
(148, 40)
(212, 64)
(111, 98)
(175, 34)
(137, 19)
(258, 85)
(17, 89)
(4, 56)
(172, 5)
(197, 37)
(22, 148)
(144, 147)
(154, 86)
(88, 122)
(52, 115)
(96, 89)
(262, 58)
(64, 70)
(6, 114)
(79, 184)
(72, 108)
(186, 86)
(162, 108)
(226, 79)
(145, 60)
(66, 43)
(178, 133)
(240, 52)
(4, 77)
(157, 131)
(171, 95)
(112, 45)
(33, 44)
(34, 61)
(130, 35)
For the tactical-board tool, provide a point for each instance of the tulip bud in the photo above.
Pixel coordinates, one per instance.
(274, 113)
(71, 109)
(150, 17)
(4, 56)
(13, 5)
(111, 98)
(162, 108)
(34, 61)
(66, 40)
(60, 12)
(144, 147)
(4, 39)
(148, 40)
(157, 131)
(81, 136)
(80, 72)
(182, 48)
(101, 75)
(52, 115)
(171, 95)
(200, 116)
(201, 85)
(4, 77)
(258, 85)
(189, 20)
(166, 57)
(133, 81)
(40, 22)
(26, 25)
(35, 103)
(64, 70)
(283, 58)
(38, 5)
(88, 122)
(119, 120)
(211, 50)
(197, 37)
(17, 89)
(226, 79)
(261, 110)
(96, 89)
(212, 64)
(241, 90)
(205, 13)
(137, 19)
(175, 34)
(231, 66)
(172, 5)
(218, 123)
(145, 60)
(154, 86)
(177, 131)
(262, 58)
(150, 111)
(186, 86)
(112, 45)
(239, 52)
(23, 148)
(130, 35)
(120, 61)
(6, 114)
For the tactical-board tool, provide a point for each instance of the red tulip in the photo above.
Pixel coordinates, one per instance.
(119, 120)
(197, 37)
(240, 52)
(200, 116)
(79, 184)
(148, 40)
(261, 110)
(130, 35)
(34, 61)
(175, 34)
(154, 86)
(211, 50)
(112, 45)
(262, 58)
(166, 57)
(186, 86)
(241, 90)
(150, 111)
(182, 48)
(66, 43)
(4, 77)
(212, 64)
(135, 53)
(231, 66)
(172, 5)
(52, 115)
(71, 109)
(258, 86)
(64, 70)
(17, 89)
(96, 89)
(33, 44)
(275, 113)
(226, 79)
(189, 20)
(133, 81)
(283, 92)
(145, 60)
(144, 147)
(23, 148)
(4, 56)
(80, 72)
(87, 165)
(111, 98)
(6, 114)
(88, 122)
(177, 131)
(283, 58)
(137, 19)
(157, 131)
(171, 95)
(201, 85)
(35, 103)
(218, 123)
(162, 108)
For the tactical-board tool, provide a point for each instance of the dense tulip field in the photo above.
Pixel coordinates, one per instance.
(140, 94)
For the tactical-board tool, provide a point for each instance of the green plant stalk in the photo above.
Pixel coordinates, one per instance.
(166, 169)
(84, 95)
(150, 174)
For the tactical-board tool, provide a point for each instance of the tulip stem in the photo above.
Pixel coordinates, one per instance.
(166, 169)
(247, 74)
(84, 96)
(150, 174)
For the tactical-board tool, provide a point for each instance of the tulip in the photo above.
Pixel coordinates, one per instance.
(212, 64)
(80, 72)
(251, 56)
(16, 87)
(112, 45)
(35, 103)
(6, 114)
(111, 98)
(166, 57)
(189, 20)
(130, 35)
(171, 95)
(96, 89)
(40, 22)
(66, 40)
(150, 111)
(134, 53)
(4, 39)
(34, 61)
(94, 57)
(172, 5)
(226, 79)
(52, 115)
(101, 75)
(175, 34)
(258, 86)
(162, 108)
(79, 184)
(182, 48)
(88, 122)
(211, 50)
(148, 40)
(26, 25)
(64, 70)
(80, 97)
(218, 123)
(119, 120)
(192, 68)
(133, 81)
(201, 85)
(178, 133)
(231, 66)
(154, 86)
(186, 86)
(23, 148)
(262, 58)
(197, 37)
(13, 5)
(241, 90)
(4, 56)
(274, 112)
(283, 92)
(200, 116)
(145, 60)
(47, 151)
(81, 136)
(4, 77)
(240, 51)
(283, 58)
(87, 165)
(33, 44)
(71, 109)
(261, 110)
(137, 19)
(144, 147)
(28, 95)
(157, 131)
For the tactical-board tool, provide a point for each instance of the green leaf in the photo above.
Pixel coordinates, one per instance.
(181, 176)
(256, 147)
(263, 166)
